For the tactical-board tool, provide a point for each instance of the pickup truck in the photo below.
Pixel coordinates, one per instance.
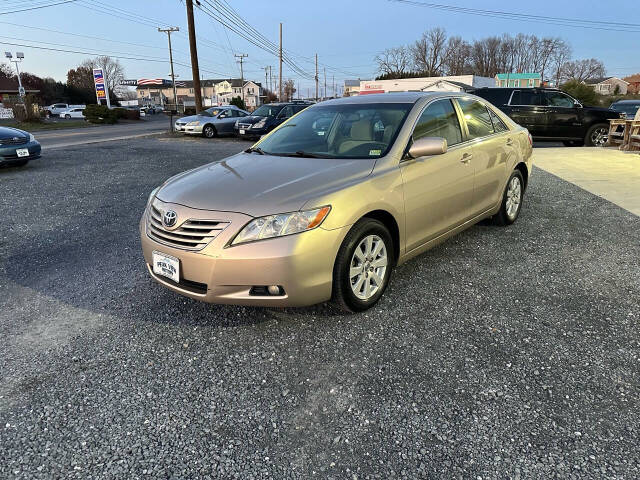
(58, 108)
(552, 115)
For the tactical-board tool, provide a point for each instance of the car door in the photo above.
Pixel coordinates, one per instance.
(492, 146)
(526, 108)
(437, 189)
(564, 116)
(226, 120)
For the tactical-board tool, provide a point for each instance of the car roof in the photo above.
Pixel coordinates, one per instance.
(626, 101)
(391, 97)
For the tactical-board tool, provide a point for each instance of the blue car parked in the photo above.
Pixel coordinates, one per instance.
(17, 147)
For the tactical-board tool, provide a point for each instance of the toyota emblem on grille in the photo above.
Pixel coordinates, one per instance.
(16, 139)
(169, 218)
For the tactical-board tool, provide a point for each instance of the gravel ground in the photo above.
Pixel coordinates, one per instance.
(503, 353)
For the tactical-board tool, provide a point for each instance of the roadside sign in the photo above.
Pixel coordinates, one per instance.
(101, 86)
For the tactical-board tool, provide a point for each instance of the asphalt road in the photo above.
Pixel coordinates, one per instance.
(50, 139)
(504, 353)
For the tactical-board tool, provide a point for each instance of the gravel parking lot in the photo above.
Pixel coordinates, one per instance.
(503, 353)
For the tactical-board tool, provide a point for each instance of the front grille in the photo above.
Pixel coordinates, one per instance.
(193, 234)
(244, 126)
(14, 141)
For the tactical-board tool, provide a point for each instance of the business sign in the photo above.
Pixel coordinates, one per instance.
(101, 86)
(129, 83)
(6, 113)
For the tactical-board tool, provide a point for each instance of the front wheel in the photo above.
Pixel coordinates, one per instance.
(67, 116)
(363, 266)
(597, 135)
(511, 200)
(209, 131)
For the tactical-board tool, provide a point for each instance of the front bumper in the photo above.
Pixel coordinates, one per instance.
(179, 127)
(193, 129)
(301, 264)
(251, 132)
(9, 154)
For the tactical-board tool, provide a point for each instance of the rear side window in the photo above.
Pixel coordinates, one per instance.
(498, 124)
(559, 99)
(439, 119)
(477, 118)
(526, 97)
(286, 112)
(497, 96)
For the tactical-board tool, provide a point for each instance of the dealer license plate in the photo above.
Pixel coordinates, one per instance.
(22, 152)
(167, 266)
(242, 132)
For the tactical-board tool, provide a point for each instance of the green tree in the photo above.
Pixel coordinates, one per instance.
(582, 92)
(238, 102)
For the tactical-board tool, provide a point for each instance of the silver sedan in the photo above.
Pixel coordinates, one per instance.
(211, 122)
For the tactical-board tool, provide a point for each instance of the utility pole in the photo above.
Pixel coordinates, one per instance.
(333, 81)
(280, 88)
(325, 81)
(266, 77)
(173, 76)
(270, 80)
(195, 70)
(241, 56)
(316, 77)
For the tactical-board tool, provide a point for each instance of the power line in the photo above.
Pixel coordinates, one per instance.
(562, 21)
(37, 7)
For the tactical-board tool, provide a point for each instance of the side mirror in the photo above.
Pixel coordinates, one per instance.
(428, 146)
(577, 105)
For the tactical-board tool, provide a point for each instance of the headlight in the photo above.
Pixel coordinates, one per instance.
(281, 224)
(260, 124)
(152, 195)
(32, 138)
(194, 124)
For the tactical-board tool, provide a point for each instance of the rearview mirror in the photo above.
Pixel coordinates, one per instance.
(428, 146)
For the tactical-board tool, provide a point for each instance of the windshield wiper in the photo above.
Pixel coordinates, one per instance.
(255, 149)
(303, 154)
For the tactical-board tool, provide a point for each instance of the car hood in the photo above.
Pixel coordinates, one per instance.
(613, 113)
(188, 119)
(260, 185)
(9, 132)
(251, 119)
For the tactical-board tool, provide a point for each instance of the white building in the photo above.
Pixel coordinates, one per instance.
(457, 83)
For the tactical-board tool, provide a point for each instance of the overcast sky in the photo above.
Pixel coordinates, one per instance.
(345, 34)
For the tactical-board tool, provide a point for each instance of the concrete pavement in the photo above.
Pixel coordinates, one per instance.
(101, 133)
(606, 172)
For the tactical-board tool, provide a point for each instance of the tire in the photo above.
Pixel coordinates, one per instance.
(507, 215)
(573, 143)
(597, 135)
(67, 116)
(209, 131)
(366, 233)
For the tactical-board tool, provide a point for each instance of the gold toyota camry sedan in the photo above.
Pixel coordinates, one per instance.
(328, 203)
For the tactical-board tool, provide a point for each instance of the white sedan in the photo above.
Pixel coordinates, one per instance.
(73, 113)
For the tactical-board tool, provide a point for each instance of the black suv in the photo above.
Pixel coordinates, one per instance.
(267, 117)
(552, 115)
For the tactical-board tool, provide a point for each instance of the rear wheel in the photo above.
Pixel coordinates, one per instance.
(209, 131)
(67, 116)
(363, 266)
(597, 135)
(511, 200)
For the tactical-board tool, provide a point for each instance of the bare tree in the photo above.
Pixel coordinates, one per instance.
(582, 70)
(429, 52)
(289, 88)
(5, 71)
(112, 68)
(393, 61)
(560, 56)
(456, 57)
(485, 56)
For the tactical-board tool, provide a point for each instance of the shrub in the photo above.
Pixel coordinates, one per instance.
(238, 102)
(24, 109)
(100, 114)
(582, 92)
(125, 113)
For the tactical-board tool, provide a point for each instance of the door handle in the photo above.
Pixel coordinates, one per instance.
(466, 157)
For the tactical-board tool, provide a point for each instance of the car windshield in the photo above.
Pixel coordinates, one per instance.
(629, 109)
(267, 111)
(339, 131)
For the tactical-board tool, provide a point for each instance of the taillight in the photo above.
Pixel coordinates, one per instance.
(530, 138)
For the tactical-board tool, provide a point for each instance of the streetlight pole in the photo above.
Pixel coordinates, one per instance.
(19, 58)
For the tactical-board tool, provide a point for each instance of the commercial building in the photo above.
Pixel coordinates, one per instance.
(518, 80)
(456, 83)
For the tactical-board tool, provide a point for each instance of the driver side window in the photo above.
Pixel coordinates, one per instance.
(439, 119)
(559, 99)
(286, 112)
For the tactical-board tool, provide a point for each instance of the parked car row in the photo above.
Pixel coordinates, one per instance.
(231, 120)
(552, 115)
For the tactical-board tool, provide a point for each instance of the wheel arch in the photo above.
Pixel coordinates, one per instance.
(522, 167)
(389, 221)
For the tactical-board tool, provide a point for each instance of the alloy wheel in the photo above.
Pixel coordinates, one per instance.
(209, 132)
(514, 197)
(368, 267)
(599, 136)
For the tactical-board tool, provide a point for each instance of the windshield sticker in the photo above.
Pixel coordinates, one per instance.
(374, 152)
